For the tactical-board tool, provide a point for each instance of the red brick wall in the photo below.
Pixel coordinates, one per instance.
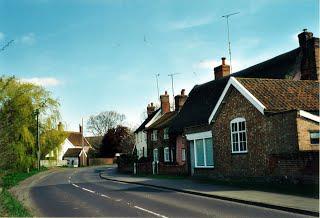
(266, 134)
(180, 144)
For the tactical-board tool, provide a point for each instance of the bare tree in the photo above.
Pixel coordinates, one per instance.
(99, 124)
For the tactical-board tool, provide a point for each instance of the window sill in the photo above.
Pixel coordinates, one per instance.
(204, 167)
(240, 152)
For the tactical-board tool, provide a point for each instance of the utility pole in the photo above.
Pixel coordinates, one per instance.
(157, 79)
(38, 137)
(172, 75)
(82, 141)
(229, 43)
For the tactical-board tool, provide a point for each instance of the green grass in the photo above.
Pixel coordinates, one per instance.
(11, 179)
(9, 206)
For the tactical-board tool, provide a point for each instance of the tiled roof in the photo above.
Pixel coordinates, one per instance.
(142, 126)
(203, 98)
(163, 121)
(283, 95)
(76, 139)
(72, 152)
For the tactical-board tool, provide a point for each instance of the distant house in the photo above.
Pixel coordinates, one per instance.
(76, 157)
(262, 129)
(72, 140)
(191, 123)
(140, 145)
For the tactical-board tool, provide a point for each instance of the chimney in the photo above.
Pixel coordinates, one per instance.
(310, 61)
(80, 128)
(60, 126)
(222, 70)
(304, 38)
(165, 104)
(179, 100)
(150, 109)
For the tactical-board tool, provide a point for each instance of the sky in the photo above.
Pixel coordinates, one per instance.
(99, 55)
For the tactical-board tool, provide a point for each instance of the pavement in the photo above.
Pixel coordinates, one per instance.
(81, 192)
(297, 204)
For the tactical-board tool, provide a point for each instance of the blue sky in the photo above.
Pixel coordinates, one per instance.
(97, 55)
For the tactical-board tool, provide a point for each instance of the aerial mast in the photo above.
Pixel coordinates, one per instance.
(229, 43)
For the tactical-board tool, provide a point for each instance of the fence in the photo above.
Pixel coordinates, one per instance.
(53, 163)
(100, 161)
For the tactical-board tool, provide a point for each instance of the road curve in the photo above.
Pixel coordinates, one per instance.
(82, 193)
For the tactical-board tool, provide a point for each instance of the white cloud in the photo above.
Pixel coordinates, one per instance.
(189, 23)
(2, 36)
(44, 81)
(28, 39)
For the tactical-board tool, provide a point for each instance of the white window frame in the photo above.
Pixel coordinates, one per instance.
(204, 153)
(183, 154)
(154, 136)
(166, 158)
(166, 133)
(155, 151)
(238, 132)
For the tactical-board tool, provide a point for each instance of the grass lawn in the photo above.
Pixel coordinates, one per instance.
(9, 206)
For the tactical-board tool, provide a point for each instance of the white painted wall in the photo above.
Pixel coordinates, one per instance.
(72, 161)
(60, 151)
(141, 142)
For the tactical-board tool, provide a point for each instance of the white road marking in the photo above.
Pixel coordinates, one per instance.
(88, 190)
(105, 196)
(149, 211)
(75, 185)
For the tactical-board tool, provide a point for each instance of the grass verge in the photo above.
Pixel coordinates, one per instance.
(9, 206)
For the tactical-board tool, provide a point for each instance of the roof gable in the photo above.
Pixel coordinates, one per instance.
(146, 121)
(285, 95)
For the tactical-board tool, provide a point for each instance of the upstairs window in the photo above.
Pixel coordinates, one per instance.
(154, 135)
(314, 137)
(238, 135)
(166, 133)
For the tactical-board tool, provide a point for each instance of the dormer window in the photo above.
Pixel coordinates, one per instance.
(238, 135)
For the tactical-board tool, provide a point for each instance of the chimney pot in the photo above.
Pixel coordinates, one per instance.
(223, 60)
(150, 108)
(182, 91)
(80, 128)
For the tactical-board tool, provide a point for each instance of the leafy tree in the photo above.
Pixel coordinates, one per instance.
(101, 123)
(117, 140)
(18, 102)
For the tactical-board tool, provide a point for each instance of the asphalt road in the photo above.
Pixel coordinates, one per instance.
(82, 193)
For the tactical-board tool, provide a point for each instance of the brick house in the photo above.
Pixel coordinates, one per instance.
(265, 129)
(191, 123)
(167, 157)
(140, 134)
